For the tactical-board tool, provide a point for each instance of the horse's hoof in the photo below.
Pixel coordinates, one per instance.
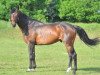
(69, 69)
(30, 70)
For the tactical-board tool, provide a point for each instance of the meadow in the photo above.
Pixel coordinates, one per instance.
(50, 59)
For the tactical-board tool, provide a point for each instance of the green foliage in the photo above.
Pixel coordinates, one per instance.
(52, 13)
(54, 10)
(80, 10)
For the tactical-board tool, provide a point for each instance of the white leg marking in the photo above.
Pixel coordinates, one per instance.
(68, 69)
(30, 70)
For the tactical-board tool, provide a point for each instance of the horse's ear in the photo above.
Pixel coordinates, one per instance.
(17, 8)
(11, 8)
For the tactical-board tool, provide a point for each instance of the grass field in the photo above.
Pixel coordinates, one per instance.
(51, 59)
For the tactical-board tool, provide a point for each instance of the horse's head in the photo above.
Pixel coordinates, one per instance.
(14, 16)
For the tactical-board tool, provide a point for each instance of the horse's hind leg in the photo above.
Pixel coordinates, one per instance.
(72, 56)
(69, 62)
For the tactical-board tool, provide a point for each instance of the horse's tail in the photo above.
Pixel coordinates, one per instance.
(84, 37)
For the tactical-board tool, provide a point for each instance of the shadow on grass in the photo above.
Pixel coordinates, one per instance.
(93, 69)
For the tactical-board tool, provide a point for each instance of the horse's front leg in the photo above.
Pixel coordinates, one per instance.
(32, 63)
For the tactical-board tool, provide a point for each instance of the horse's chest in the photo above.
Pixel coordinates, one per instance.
(30, 37)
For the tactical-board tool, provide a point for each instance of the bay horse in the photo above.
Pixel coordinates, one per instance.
(38, 33)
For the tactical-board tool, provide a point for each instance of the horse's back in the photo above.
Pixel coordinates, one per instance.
(51, 33)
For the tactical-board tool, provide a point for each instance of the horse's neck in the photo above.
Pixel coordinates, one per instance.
(23, 22)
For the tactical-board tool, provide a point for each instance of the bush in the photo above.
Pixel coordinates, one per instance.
(79, 10)
(54, 10)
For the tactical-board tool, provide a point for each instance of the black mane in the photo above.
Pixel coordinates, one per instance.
(24, 22)
(25, 17)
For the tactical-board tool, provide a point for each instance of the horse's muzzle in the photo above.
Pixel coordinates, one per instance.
(14, 25)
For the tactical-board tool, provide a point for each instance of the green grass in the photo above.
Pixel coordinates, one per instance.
(50, 59)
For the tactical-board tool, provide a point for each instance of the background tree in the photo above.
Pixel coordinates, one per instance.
(54, 10)
(52, 13)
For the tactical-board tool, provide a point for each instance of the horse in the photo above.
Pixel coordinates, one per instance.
(38, 33)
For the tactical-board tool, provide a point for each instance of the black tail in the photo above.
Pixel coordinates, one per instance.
(84, 37)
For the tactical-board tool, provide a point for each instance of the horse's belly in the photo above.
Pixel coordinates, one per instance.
(46, 39)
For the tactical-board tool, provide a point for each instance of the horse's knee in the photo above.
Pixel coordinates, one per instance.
(32, 56)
